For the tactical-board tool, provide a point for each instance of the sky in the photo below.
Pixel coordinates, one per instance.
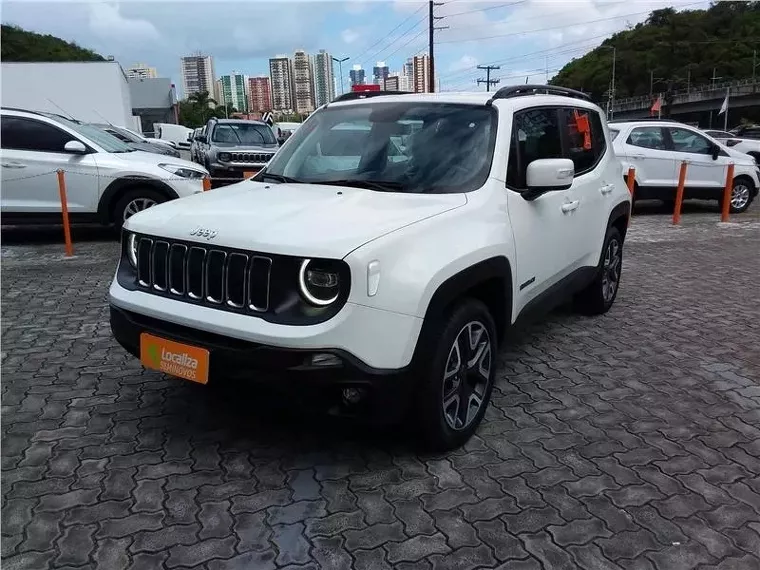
(529, 39)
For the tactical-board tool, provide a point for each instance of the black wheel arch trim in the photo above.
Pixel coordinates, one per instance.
(456, 287)
(115, 188)
(621, 212)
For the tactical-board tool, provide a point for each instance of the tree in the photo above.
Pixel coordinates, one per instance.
(671, 48)
(198, 108)
(21, 45)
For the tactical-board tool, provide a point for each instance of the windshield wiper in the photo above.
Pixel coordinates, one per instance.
(382, 186)
(279, 178)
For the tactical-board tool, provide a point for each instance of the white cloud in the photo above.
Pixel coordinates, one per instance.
(349, 36)
(107, 21)
(464, 62)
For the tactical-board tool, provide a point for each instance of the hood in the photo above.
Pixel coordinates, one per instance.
(155, 159)
(739, 156)
(306, 220)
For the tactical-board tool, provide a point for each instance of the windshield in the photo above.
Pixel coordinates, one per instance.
(243, 133)
(122, 134)
(106, 141)
(402, 147)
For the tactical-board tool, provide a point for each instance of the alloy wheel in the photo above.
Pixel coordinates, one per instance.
(611, 270)
(739, 196)
(467, 375)
(138, 205)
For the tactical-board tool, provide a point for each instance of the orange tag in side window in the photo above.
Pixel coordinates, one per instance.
(583, 126)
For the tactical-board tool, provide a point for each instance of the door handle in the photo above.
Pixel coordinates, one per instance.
(570, 206)
(13, 165)
(637, 156)
(607, 188)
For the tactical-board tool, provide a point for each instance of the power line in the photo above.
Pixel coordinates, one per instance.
(487, 9)
(386, 36)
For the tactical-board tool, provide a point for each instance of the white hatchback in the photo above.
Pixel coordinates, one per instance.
(656, 149)
(106, 180)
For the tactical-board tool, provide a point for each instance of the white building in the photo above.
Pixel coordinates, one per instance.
(94, 92)
(281, 76)
(198, 74)
(141, 71)
(324, 78)
(303, 82)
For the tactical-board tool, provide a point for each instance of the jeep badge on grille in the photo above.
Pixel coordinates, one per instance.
(204, 233)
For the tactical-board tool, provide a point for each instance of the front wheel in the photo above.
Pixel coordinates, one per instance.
(741, 196)
(133, 202)
(599, 295)
(457, 383)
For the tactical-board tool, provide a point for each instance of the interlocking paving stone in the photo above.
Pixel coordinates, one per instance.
(625, 441)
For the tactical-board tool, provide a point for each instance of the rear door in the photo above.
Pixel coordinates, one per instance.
(649, 154)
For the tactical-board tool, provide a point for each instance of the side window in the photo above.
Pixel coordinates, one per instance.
(685, 140)
(647, 137)
(585, 142)
(535, 134)
(20, 133)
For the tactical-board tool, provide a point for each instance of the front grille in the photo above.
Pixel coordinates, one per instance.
(210, 275)
(251, 157)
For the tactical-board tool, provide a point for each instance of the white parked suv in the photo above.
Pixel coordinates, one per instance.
(106, 180)
(744, 139)
(385, 281)
(656, 149)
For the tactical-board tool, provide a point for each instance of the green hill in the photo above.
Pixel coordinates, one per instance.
(17, 44)
(673, 47)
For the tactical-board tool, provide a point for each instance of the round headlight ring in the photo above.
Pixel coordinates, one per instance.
(304, 288)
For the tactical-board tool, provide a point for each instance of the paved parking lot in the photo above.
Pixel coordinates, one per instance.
(630, 441)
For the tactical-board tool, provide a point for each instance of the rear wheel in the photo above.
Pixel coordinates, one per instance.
(600, 294)
(457, 383)
(133, 202)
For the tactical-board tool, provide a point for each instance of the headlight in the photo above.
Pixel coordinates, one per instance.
(319, 282)
(182, 171)
(224, 156)
(132, 249)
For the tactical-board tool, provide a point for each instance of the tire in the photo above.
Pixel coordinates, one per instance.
(600, 294)
(442, 423)
(133, 201)
(742, 195)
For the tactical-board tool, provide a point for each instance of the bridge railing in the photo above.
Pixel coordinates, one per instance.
(696, 93)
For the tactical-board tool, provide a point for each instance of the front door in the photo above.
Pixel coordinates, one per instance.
(32, 152)
(702, 171)
(647, 149)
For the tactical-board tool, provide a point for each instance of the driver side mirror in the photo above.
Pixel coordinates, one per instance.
(548, 175)
(715, 151)
(75, 147)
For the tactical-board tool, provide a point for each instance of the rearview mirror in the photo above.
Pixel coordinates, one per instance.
(75, 147)
(715, 151)
(547, 175)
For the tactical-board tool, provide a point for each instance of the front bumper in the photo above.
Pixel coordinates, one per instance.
(384, 394)
(222, 173)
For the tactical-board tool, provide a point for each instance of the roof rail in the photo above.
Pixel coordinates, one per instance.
(4, 108)
(523, 90)
(645, 120)
(353, 95)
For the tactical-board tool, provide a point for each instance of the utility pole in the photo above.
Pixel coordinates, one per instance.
(431, 44)
(754, 64)
(714, 77)
(612, 87)
(488, 81)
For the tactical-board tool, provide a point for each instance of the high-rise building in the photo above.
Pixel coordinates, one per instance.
(303, 82)
(421, 64)
(391, 83)
(281, 77)
(218, 92)
(141, 71)
(356, 75)
(324, 78)
(259, 94)
(379, 73)
(234, 91)
(198, 74)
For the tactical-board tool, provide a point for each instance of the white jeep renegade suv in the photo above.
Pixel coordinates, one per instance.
(384, 252)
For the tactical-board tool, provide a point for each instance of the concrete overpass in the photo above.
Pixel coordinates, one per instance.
(697, 105)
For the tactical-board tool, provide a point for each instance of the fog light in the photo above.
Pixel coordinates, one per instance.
(324, 359)
(352, 395)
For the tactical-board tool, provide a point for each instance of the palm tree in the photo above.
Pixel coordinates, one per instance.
(201, 99)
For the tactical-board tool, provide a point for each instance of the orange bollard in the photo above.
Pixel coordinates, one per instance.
(679, 194)
(631, 180)
(727, 193)
(65, 214)
(206, 183)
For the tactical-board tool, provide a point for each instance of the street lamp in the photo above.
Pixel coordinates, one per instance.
(611, 96)
(340, 66)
